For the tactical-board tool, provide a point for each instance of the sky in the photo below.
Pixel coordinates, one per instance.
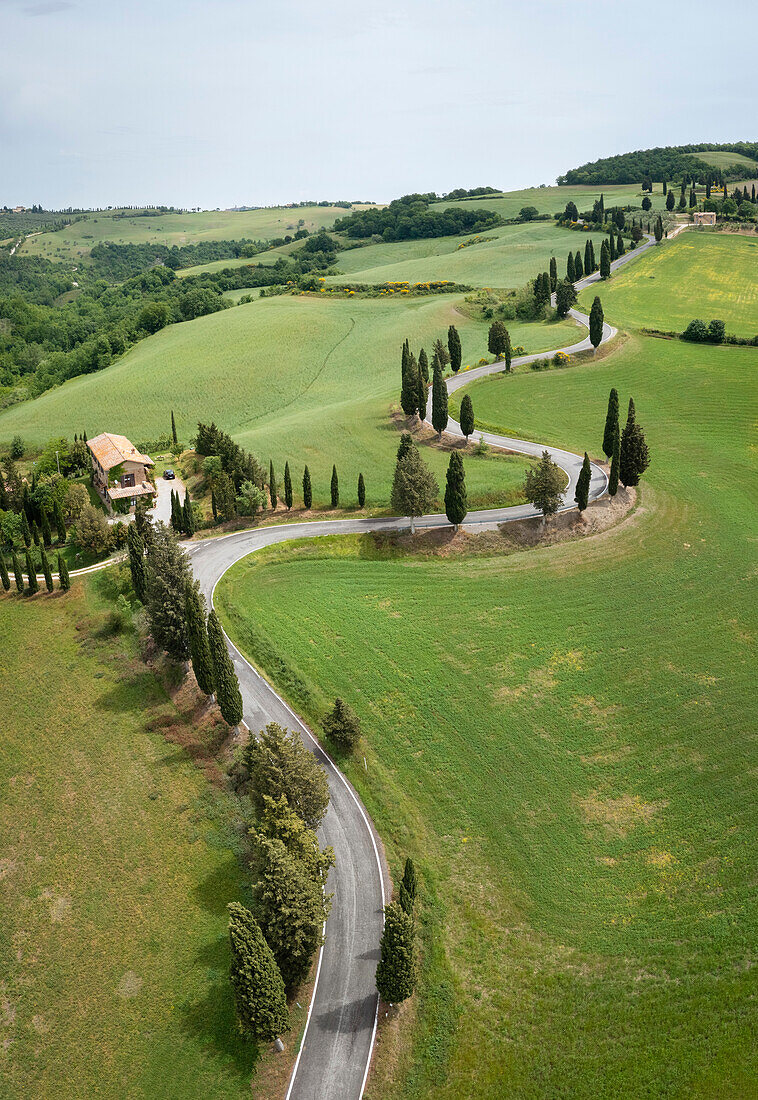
(246, 102)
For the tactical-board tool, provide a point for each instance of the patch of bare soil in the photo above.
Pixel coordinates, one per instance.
(425, 434)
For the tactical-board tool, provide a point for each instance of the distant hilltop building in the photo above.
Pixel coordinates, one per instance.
(704, 217)
(119, 470)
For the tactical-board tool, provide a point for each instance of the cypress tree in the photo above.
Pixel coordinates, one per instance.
(456, 504)
(578, 269)
(422, 395)
(597, 318)
(173, 429)
(404, 899)
(612, 246)
(224, 677)
(46, 570)
(423, 364)
(634, 457)
(405, 445)
(214, 506)
(177, 520)
(396, 972)
(467, 416)
(570, 268)
(439, 402)
(35, 534)
(60, 523)
(342, 725)
(259, 995)
(361, 491)
(620, 247)
(752, 194)
(6, 581)
(409, 391)
(454, 348)
(136, 548)
(307, 492)
(197, 633)
(26, 534)
(335, 488)
(670, 200)
(17, 574)
(409, 879)
(31, 574)
(63, 578)
(588, 266)
(4, 502)
(287, 486)
(582, 494)
(611, 423)
(664, 187)
(272, 484)
(658, 230)
(553, 274)
(605, 261)
(613, 478)
(188, 518)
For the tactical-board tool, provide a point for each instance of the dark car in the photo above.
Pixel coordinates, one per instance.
(169, 474)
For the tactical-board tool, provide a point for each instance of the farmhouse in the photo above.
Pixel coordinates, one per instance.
(704, 217)
(119, 471)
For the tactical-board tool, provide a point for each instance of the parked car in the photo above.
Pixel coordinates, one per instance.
(169, 474)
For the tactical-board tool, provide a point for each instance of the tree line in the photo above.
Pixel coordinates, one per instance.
(660, 163)
(410, 218)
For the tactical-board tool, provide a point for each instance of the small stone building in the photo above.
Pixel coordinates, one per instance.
(704, 217)
(119, 470)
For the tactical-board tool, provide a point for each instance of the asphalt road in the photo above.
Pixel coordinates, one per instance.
(335, 1053)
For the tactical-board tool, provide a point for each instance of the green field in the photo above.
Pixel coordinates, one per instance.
(551, 200)
(178, 229)
(721, 159)
(564, 740)
(699, 274)
(116, 864)
(299, 378)
(505, 257)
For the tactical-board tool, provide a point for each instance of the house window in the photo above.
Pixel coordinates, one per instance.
(127, 480)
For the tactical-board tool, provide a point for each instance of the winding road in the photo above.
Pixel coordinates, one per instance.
(335, 1053)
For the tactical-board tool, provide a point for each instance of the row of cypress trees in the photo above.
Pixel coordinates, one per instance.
(31, 533)
(627, 450)
(182, 516)
(32, 582)
(334, 488)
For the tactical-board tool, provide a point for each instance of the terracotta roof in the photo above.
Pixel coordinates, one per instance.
(121, 492)
(112, 450)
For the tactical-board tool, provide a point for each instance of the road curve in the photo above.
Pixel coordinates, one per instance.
(335, 1053)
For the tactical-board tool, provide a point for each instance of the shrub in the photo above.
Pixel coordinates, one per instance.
(696, 330)
(716, 332)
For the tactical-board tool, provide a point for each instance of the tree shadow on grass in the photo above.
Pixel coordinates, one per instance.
(211, 1020)
(222, 885)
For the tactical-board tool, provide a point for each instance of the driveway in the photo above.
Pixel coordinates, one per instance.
(162, 509)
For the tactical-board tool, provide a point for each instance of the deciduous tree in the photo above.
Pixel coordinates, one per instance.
(543, 486)
(60, 524)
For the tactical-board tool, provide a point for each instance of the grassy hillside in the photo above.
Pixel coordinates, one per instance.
(117, 862)
(549, 200)
(170, 229)
(505, 257)
(298, 378)
(699, 274)
(573, 726)
(722, 159)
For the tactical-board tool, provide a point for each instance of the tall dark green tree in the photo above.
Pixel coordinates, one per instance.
(635, 457)
(605, 261)
(307, 491)
(565, 297)
(497, 338)
(279, 765)
(18, 575)
(570, 274)
(35, 534)
(47, 535)
(136, 549)
(553, 274)
(670, 200)
(612, 246)
(620, 247)
(422, 395)
(658, 230)
(578, 269)
(173, 430)
(4, 578)
(26, 533)
(287, 486)
(611, 422)
(414, 487)
(456, 504)
(272, 484)
(409, 879)
(396, 972)
(361, 491)
(225, 680)
(64, 579)
(60, 523)
(197, 632)
(166, 574)
(454, 350)
(188, 517)
(46, 570)
(597, 319)
(439, 401)
(177, 520)
(335, 488)
(588, 259)
(423, 365)
(467, 416)
(409, 391)
(342, 725)
(543, 486)
(259, 995)
(613, 478)
(32, 583)
(582, 494)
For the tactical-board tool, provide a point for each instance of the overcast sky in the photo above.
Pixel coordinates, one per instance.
(263, 101)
